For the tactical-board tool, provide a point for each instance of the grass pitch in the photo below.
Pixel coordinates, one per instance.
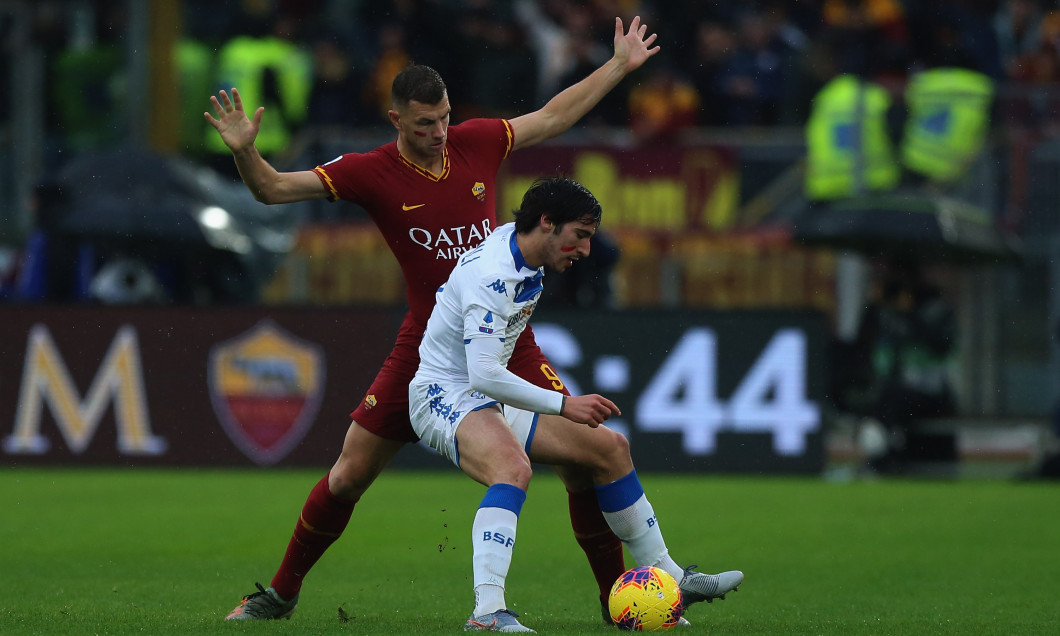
(171, 552)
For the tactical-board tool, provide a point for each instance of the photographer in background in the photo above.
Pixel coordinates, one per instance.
(898, 370)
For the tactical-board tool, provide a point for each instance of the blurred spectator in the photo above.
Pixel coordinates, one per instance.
(751, 81)
(426, 32)
(392, 56)
(53, 265)
(1017, 25)
(954, 33)
(498, 61)
(884, 16)
(816, 65)
(848, 141)
(661, 106)
(714, 45)
(868, 34)
(587, 50)
(194, 64)
(89, 79)
(1036, 98)
(556, 30)
(1028, 112)
(790, 21)
(271, 69)
(947, 123)
(337, 97)
(899, 368)
(89, 88)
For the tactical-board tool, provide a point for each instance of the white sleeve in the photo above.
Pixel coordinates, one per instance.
(489, 376)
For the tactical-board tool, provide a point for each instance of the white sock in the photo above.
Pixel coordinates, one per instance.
(493, 539)
(629, 513)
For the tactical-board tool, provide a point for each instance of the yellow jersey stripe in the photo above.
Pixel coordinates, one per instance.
(327, 182)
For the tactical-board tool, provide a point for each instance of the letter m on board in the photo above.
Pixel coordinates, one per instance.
(45, 379)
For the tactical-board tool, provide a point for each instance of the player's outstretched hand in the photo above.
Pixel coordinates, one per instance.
(632, 48)
(592, 410)
(236, 130)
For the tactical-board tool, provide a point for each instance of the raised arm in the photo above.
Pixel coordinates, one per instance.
(238, 133)
(632, 49)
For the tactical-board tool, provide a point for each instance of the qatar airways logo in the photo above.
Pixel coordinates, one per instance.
(450, 243)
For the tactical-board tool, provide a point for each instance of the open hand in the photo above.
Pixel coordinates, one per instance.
(632, 48)
(236, 130)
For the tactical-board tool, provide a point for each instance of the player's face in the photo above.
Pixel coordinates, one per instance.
(567, 244)
(424, 128)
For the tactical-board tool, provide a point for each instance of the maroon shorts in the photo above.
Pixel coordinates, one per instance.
(385, 408)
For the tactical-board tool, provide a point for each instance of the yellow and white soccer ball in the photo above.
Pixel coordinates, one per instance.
(645, 599)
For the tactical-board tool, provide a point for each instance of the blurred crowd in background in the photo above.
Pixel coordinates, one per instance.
(323, 68)
(756, 63)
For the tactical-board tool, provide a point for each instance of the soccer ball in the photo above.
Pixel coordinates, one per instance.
(645, 599)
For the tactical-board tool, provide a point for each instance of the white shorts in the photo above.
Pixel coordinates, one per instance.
(436, 410)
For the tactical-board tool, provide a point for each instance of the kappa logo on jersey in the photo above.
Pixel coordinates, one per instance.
(370, 401)
(498, 286)
(444, 410)
(266, 386)
(486, 326)
(479, 190)
(439, 406)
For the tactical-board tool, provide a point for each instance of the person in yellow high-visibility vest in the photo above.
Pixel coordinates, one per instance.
(849, 149)
(948, 122)
(272, 72)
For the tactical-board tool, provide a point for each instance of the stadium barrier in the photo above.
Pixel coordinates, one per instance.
(737, 391)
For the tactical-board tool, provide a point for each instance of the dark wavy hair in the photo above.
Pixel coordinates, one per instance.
(417, 83)
(559, 199)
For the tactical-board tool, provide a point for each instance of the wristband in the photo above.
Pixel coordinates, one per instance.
(563, 405)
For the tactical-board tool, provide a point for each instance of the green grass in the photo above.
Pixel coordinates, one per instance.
(170, 552)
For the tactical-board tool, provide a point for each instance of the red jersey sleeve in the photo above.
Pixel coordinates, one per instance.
(352, 175)
(488, 138)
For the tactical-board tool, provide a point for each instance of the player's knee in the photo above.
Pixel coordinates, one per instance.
(350, 479)
(522, 473)
(613, 449)
(515, 470)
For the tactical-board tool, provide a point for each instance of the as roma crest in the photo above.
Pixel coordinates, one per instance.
(266, 386)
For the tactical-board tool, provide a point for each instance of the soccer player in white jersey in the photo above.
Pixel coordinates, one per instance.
(492, 424)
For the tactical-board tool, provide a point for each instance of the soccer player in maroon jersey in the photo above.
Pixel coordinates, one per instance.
(431, 193)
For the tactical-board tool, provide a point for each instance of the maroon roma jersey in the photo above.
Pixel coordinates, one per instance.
(427, 219)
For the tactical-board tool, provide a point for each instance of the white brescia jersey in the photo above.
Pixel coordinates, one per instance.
(478, 315)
